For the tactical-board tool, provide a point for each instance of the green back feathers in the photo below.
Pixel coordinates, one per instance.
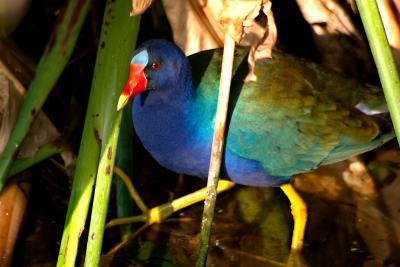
(295, 117)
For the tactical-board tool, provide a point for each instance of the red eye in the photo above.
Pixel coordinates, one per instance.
(155, 65)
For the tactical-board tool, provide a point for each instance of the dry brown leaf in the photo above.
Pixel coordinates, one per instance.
(371, 223)
(390, 188)
(391, 199)
(376, 208)
(392, 28)
(69, 158)
(264, 39)
(13, 200)
(330, 23)
(193, 29)
(396, 7)
(328, 13)
(7, 103)
(140, 6)
(359, 180)
(235, 15)
(325, 182)
(11, 13)
(199, 25)
(379, 229)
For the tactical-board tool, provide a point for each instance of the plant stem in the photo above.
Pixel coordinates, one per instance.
(117, 41)
(43, 153)
(52, 63)
(217, 149)
(101, 196)
(125, 161)
(383, 58)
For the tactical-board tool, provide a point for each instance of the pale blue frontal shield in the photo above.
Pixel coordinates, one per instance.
(141, 58)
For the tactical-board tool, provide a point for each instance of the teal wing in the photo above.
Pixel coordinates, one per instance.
(297, 116)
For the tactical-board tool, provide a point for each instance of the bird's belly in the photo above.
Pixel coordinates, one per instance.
(248, 172)
(196, 162)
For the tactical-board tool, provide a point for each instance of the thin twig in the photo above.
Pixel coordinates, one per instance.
(217, 149)
(131, 189)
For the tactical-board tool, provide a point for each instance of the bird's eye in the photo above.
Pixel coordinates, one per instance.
(155, 65)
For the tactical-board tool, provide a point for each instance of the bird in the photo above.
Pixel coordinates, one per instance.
(294, 118)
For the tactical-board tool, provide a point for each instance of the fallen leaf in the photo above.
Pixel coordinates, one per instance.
(392, 29)
(199, 25)
(69, 158)
(376, 207)
(13, 201)
(357, 177)
(325, 182)
(11, 13)
(374, 227)
(340, 44)
(140, 6)
(194, 28)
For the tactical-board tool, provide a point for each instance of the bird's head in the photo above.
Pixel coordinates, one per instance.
(154, 66)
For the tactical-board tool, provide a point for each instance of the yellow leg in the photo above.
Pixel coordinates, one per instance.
(160, 213)
(299, 212)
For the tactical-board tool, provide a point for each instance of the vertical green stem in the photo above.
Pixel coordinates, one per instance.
(117, 41)
(217, 149)
(52, 63)
(383, 58)
(81, 191)
(101, 197)
(125, 160)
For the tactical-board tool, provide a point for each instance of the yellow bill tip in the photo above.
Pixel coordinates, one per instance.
(122, 101)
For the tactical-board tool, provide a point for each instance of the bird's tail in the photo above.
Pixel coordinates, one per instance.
(345, 152)
(374, 105)
(373, 101)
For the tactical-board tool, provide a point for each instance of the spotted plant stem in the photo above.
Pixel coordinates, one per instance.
(117, 41)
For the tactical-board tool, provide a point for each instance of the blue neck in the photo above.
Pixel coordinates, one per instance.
(172, 130)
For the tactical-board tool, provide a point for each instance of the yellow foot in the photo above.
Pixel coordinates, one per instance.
(299, 212)
(160, 213)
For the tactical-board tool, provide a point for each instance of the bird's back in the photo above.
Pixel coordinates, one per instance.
(295, 117)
